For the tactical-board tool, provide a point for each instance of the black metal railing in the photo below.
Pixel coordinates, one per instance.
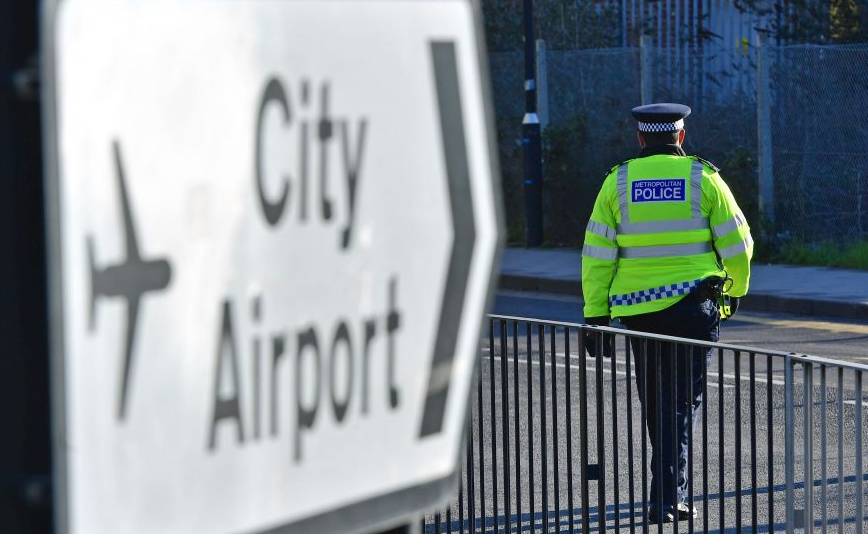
(557, 440)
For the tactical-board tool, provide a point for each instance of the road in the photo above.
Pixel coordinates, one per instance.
(519, 390)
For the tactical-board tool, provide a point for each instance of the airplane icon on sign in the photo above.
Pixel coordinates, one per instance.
(130, 280)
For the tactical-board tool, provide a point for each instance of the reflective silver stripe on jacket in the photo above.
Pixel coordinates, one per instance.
(696, 188)
(659, 251)
(729, 226)
(623, 194)
(656, 227)
(601, 253)
(601, 230)
(734, 250)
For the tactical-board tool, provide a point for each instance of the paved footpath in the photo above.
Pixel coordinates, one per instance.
(817, 291)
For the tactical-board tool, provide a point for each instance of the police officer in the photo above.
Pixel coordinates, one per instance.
(667, 250)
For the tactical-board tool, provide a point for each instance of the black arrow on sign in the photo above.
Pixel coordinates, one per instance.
(130, 279)
(463, 232)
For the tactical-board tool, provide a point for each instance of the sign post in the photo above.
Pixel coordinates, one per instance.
(273, 228)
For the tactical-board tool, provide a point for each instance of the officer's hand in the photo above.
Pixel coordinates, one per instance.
(593, 339)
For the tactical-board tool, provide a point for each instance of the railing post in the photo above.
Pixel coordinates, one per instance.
(857, 415)
(471, 484)
(840, 444)
(492, 411)
(544, 442)
(721, 441)
(479, 426)
(569, 409)
(808, 438)
(601, 434)
(583, 431)
(630, 463)
(531, 490)
(737, 450)
(770, 430)
(706, 362)
(823, 454)
(754, 517)
(504, 424)
(517, 418)
(615, 475)
(555, 439)
(789, 438)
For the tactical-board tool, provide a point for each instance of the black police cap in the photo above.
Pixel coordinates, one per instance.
(663, 117)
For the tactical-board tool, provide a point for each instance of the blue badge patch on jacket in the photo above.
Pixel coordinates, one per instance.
(662, 190)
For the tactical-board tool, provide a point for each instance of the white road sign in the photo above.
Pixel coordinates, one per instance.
(274, 226)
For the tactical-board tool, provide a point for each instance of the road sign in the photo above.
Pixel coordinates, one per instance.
(274, 227)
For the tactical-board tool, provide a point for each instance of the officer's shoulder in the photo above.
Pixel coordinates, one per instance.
(710, 165)
(615, 167)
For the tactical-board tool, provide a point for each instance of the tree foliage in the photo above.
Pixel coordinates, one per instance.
(563, 24)
(811, 21)
(582, 24)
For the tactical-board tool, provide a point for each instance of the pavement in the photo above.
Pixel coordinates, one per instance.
(812, 291)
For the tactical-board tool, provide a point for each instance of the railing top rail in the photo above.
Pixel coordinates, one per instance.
(829, 362)
(802, 358)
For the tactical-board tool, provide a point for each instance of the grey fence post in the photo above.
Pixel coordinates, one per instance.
(808, 446)
(857, 417)
(542, 84)
(789, 438)
(645, 70)
(764, 130)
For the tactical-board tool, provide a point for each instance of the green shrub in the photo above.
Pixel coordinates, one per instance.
(566, 204)
(825, 253)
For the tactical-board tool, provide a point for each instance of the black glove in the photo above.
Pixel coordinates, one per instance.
(594, 338)
(597, 321)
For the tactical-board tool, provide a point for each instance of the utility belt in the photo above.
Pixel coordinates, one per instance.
(713, 288)
(710, 288)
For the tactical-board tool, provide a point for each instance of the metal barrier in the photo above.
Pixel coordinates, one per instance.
(556, 440)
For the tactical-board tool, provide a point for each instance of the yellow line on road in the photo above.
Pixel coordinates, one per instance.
(827, 326)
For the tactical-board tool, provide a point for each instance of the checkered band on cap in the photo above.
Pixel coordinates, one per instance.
(655, 127)
(655, 293)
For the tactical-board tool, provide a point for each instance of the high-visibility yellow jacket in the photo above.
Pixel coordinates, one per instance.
(660, 225)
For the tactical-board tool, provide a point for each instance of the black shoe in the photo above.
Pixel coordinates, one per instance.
(667, 517)
(685, 511)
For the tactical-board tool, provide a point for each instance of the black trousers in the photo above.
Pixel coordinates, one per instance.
(678, 371)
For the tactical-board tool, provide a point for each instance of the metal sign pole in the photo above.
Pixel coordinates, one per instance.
(25, 456)
(531, 139)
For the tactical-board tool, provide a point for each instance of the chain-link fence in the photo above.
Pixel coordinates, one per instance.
(819, 133)
(817, 122)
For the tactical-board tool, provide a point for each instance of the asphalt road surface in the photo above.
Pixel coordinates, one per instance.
(739, 471)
